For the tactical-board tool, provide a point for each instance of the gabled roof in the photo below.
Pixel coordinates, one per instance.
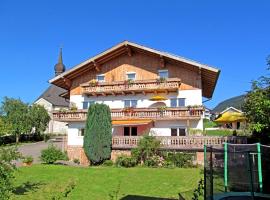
(52, 95)
(209, 74)
(231, 108)
(235, 102)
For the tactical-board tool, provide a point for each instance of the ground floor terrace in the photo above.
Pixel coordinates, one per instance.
(122, 145)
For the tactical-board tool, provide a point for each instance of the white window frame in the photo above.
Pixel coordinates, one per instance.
(163, 70)
(99, 75)
(130, 104)
(128, 73)
(80, 132)
(179, 127)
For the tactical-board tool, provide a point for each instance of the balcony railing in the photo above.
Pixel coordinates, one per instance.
(178, 142)
(123, 87)
(136, 113)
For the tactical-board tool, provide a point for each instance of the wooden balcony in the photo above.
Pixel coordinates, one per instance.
(136, 113)
(178, 142)
(125, 87)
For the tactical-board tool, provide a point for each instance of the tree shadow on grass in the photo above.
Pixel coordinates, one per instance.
(137, 197)
(27, 187)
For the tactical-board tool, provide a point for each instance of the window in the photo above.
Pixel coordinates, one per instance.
(87, 104)
(178, 132)
(81, 132)
(173, 131)
(178, 102)
(130, 131)
(131, 76)
(163, 74)
(100, 78)
(130, 103)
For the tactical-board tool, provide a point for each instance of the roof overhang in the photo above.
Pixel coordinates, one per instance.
(209, 74)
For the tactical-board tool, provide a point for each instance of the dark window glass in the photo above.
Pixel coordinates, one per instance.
(127, 103)
(85, 105)
(134, 131)
(182, 132)
(181, 102)
(134, 103)
(126, 131)
(173, 132)
(173, 102)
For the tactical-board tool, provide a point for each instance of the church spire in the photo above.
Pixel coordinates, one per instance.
(59, 68)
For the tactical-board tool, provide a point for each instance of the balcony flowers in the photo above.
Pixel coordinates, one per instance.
(128, 110)
(161, 80)
(162, 109)
(93, 83)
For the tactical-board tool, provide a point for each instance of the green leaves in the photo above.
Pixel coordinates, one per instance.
(18, 117)
(257, 104)
(98, 133)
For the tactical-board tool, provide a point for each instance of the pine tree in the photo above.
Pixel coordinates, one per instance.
(98, 133)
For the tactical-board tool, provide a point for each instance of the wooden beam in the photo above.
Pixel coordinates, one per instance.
(132, 92)
(113, 93)
(143, 93)
(162, 62)
(129, 51)
(97, 66)
(67, 82)
(123, 93)
(104, 94)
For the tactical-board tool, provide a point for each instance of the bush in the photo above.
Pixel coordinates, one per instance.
(125, 161)
(147, 147)
(52, 154)
(28, 159)
(76, 160)
(180, 159)
(154, 161)
(108, 163)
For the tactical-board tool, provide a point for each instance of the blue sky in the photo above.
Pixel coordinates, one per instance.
(231, 35)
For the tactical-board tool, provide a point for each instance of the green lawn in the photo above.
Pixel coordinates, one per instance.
(98, 183)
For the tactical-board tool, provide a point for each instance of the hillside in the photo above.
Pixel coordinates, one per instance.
(235, 102)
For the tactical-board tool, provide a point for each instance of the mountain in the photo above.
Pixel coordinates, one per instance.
(235, 102)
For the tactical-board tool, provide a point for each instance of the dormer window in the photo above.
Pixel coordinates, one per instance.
(131, 76)
(163, 74)
(100, 78)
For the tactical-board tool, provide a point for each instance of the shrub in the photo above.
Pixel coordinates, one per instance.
(28, 159)
(125, 161)
(52, 154)
(154, 161)
(180, 159)
(147, 147)
(108, 163)
(7, 167)
(98, 134)
(76, 160)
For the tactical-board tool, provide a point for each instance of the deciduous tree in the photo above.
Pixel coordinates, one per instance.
(257, 105)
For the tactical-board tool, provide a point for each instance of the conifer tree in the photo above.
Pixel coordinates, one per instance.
(98, 133)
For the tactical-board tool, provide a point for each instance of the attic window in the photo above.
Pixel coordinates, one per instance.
(131, 76)
(100, 78)
(163, 74)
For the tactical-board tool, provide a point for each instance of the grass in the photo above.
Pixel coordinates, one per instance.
(101, 183)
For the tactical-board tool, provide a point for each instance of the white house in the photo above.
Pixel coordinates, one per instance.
(148, 91)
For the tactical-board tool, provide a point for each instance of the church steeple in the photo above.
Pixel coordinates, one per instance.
(59, 68)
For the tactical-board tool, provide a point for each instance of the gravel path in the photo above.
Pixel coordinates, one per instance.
(34, 149)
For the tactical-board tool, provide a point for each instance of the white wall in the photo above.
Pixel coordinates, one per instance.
(73, 134)
(53, 126)
(193, 97)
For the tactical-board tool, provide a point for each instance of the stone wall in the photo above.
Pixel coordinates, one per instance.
(77, 152)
